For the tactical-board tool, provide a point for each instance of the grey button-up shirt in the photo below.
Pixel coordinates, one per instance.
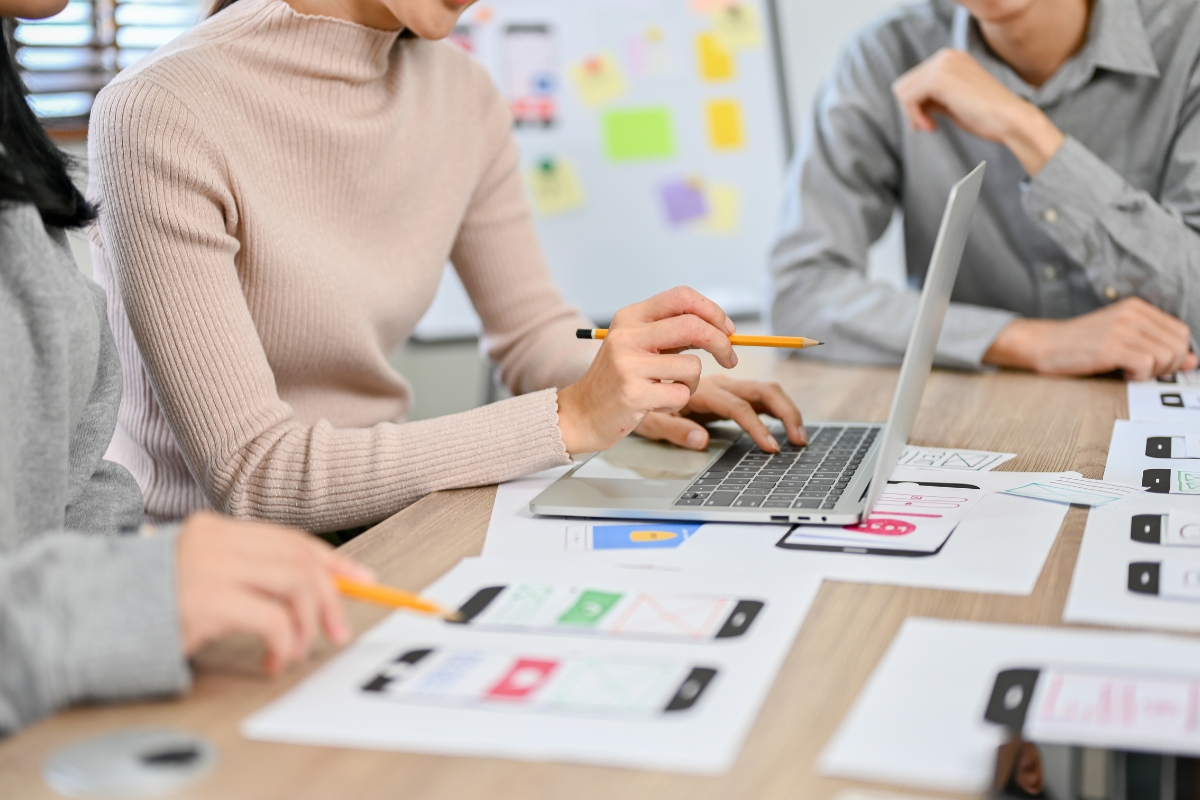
(1114, 213)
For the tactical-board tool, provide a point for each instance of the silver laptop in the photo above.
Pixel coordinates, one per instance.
(834, 480)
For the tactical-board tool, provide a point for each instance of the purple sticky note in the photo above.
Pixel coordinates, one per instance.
(684, 201)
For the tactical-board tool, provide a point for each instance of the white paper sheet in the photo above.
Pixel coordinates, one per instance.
(952, 458)
(1100, 590)
(548, 675)
(1076, 491)
(1157, 455)
(907, 519)
(1171, 400)
(1000, 547)
(919, 719)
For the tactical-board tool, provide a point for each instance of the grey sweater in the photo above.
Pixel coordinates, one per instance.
(85, 612)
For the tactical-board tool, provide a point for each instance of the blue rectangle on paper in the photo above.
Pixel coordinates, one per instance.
(646, 535)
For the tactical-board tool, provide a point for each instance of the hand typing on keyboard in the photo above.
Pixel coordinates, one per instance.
(813, 477)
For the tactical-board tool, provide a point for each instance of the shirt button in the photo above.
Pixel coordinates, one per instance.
(1050, 215)
(1049, 273)
(1111, 293)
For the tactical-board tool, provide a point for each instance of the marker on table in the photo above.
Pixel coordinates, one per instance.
(790, 342)
(395, 598)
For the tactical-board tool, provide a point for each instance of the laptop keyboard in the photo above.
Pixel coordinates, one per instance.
(812, 477)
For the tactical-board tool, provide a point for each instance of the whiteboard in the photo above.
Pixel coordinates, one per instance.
(653, 136)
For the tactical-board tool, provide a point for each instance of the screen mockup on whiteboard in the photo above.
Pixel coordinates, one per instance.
(654, 136)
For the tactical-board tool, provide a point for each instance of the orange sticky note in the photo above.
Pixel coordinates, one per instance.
(714, 58)
(725, 124)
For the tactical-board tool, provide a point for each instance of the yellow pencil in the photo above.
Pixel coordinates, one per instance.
(791, 342)
(386, 596)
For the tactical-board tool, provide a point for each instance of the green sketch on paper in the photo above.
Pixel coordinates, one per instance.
(1187, 482)
(589, 608)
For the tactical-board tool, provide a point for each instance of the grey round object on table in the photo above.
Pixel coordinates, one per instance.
(135, 762)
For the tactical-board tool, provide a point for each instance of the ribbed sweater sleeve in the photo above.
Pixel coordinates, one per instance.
(168, 233)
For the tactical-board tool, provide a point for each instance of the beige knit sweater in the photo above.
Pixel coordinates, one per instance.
(278, 195)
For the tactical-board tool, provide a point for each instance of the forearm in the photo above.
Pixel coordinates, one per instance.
(87, 618)
(866, 322)
(322, 478)
(1128, 243)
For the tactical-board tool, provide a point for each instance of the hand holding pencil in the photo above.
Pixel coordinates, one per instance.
(641, 380)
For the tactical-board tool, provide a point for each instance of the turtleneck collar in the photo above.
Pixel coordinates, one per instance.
(307, 45)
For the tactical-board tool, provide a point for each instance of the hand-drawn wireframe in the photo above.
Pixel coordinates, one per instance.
(539, 683)
(606, 612)
(1077, 491)
(952, 458)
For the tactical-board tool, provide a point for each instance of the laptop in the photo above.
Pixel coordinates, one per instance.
(834, 480)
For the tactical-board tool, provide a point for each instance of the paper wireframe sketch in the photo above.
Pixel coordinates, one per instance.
(1139, 565)
(919, 719)
(907, 518)
(565, 662)
(1175, 398)
(1076, 491)
(951, 458)
(1160, 456)
(999, 547)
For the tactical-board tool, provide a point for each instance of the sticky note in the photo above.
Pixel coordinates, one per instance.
(555, 186)
(724, 209)
(737, 26)
(632, 134)
(714, 58)
(598, 79)
(684, 200)
(724, 124)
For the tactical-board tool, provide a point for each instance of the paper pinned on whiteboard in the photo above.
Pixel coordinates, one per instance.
(725, 129)
(737, 26)
(555, 186)
(714, 58)
(634, 134)
(952, 458)
(598, 79)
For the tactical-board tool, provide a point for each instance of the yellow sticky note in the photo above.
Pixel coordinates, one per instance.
(737, 26)
(598, 79)
(725, 124)
(724, 209)
(715, 58)
(555, 186)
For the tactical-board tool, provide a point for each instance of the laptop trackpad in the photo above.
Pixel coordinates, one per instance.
(638, 459)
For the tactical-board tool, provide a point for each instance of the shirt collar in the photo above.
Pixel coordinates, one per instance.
(1116, 41)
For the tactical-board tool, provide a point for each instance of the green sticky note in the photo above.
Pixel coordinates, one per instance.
(589, 608)
(638, 133)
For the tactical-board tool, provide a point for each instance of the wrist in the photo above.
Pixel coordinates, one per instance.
(1032, 137)
(572, 423)
(1017, 345)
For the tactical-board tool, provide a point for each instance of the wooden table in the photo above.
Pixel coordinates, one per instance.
(1054, 424)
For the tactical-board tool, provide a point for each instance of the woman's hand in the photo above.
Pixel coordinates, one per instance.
(721, 397)
(639, 380)
(272, 582)
(639, 368)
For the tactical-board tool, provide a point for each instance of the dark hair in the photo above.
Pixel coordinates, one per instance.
(32, 168)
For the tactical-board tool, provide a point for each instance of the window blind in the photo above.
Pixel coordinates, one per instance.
(67, 59)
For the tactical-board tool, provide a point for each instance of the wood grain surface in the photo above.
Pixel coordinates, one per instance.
(1053, 424)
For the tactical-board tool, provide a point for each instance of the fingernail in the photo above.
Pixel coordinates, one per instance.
(729, 326)
(695, 440)
(733, 358)
(774, 443)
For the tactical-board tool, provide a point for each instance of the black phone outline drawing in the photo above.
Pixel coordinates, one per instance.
(736, 624)
(686, 695)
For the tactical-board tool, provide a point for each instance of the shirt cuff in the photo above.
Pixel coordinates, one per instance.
(127, 642)
(1069, 198)
(967, 334)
